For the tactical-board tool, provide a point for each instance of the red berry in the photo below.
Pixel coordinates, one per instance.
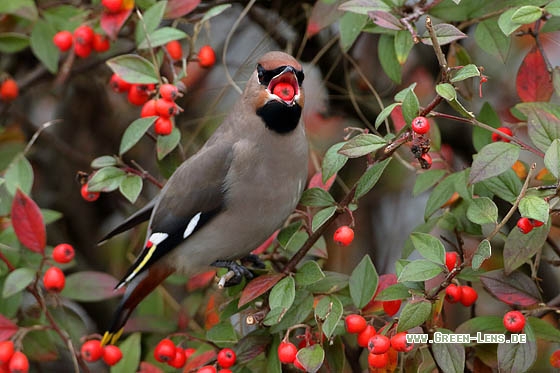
(112, 6)
(344, 235)
(451, 260)
(206, 56)
(54, 279)
(165, 351)
(378, 360)
(399, 343)
(468, 296)
(63, 40)
(87, 195)
(284, 90)
(166, 108)
(9, 90)
(379, 344)
(225, 371)
(355, 323)
(453, 293)
(299, 365)
(179, 360)
(100, 43)
(365, 336)
(524, 225)
(118, 84)
(207, 369)
(555, 359)
(138, 95)
(425, 161)
(112, 355)
(6, 351)
(287, 352)
(163, 126)
(63, 253)
(174, 49)
(19, 363)
(514, 321)
(226, 357)
(168, 92)
(92, 350)
(82, 50)
(420, 125)
(189, 352)
(391, 307)
(537, 223)
(149, 109)
(83, 35)
(497, 137)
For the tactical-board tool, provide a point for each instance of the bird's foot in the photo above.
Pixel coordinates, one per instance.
(253, 260)
(235, 273)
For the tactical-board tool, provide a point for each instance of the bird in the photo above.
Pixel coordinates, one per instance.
(231, 195)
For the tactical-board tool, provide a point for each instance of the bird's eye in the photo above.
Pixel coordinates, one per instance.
(300, 76)
(260, 73)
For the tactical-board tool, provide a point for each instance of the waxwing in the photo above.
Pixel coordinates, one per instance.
(230, 196)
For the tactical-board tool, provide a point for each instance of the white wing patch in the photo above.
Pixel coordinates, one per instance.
(157, 238)
(192, 225)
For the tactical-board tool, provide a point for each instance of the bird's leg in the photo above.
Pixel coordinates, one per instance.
(234, 275)
(254, 260)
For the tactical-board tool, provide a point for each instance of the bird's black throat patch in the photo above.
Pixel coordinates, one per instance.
(280, 117)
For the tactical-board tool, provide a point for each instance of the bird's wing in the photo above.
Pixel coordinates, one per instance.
(138, 217)
(191, 198)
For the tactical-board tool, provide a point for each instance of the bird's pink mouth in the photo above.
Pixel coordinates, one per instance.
(285, 86)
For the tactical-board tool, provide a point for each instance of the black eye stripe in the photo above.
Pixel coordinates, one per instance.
(265, 76)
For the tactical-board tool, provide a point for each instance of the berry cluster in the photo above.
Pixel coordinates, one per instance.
(84, 40)
(462, 293)
(420, 142)
(506, 130)
(344, 235)
(92, 351)
(9, 90)
(54, 279)
(137, 94)
(164, 107)
(526, 225)
(12, 361)
(175, 356)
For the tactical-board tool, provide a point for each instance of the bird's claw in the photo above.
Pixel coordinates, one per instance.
(235, 274)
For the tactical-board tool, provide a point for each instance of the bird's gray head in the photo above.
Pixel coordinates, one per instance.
(275, 91)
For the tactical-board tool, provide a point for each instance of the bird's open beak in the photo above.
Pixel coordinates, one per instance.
(284, 87)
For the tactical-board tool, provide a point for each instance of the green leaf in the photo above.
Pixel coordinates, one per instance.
(134, 133)
(131, 349)
(553, 8)
(332, 283)
(493, 160)
(410, 106)
(483, 252)
(526, 14)
(152, 18)
(507, 185)
(19, 175)
(283, 294)
(482, 324)
(506, 24)
(133, 69)
(130, 187)
(385, 113)
(552, 158)
(394, 292)
(361, 7)
(308, 274)
(388, 57)
(447, 91)
(491, 39)
(17, 280)
(413, 314)
(50, 216)
(403, 45)
(429, 247)
(361, 145)
(334, 352)
(544, 330)
(465, 72)
(482, 211)
(106, 179)
(321, 217)
(12, 42)
(317, 197)
(445, 34)
(166, 144)
(488, 116)
(21, 8)
(300, 310)
(426, 180)
(215, 11)
(333, 161)
(103, 161)
(162, 36)
(420, 270)
(519, 248)
(222, 334)
(534, 207)
(90, 286)
(370, 178)
(65, 17)
(363, 282)
(311, 358)
(329, 311)
(444, 190)
(518, 357)
(450, 357)
(43, 47)
(350, 27)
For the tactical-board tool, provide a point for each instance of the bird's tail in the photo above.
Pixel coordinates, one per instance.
(136, 290)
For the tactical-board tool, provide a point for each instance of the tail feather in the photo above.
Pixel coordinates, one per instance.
(137, 290)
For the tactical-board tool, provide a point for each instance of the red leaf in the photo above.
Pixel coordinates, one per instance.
(200, 280)
(7, 328)
(317, 181)
(198, 361)
(178, 8)
(398, 118)
(27, 221)
(211, 316)
(111, 23)
(262, 248)
(534, 82)
(517, 289)
(146, 367)
(322, 15)
(259, 286)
